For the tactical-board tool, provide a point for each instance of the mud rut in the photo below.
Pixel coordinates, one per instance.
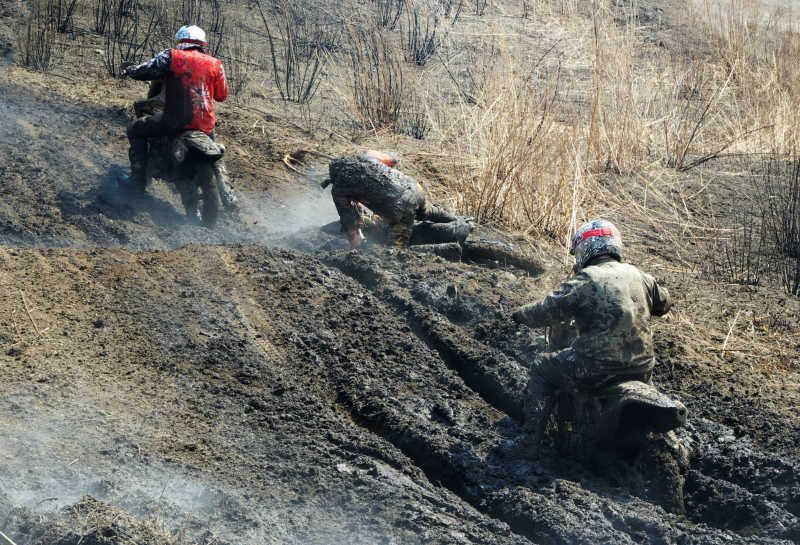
(335, 397)
(246, 394)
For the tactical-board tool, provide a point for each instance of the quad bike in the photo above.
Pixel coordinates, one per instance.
(186, 161)
(191, 162)
(626, 428)
(623, 415)
(622, 420)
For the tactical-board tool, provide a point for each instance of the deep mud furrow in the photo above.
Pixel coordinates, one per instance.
(356, 409)
(525, 509)
(733, 484)
(322, 318)
(487, 371)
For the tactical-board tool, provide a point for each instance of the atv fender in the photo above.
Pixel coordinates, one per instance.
(199, 141)
(635, 405)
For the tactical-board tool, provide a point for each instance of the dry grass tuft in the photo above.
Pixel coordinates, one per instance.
(519, 165)
(377, 90)
(525, 114)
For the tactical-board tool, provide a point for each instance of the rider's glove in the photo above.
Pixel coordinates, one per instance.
(125, 69)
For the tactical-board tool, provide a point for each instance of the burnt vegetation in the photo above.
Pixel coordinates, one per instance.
(762, 246)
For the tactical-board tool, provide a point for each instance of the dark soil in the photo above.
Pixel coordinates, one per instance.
(267, 396)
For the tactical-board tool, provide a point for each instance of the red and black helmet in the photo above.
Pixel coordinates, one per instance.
(595, 238)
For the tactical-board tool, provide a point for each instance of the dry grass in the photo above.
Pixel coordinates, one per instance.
(515, 163)
(641, 107)
(377, 89)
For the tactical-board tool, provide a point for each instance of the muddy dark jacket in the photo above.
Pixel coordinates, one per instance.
(611, 304)
(384, 190)
(193, 81)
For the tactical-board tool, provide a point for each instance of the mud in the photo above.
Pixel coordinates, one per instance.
(267, 396)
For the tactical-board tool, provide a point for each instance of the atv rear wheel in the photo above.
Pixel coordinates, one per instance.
(206, 180)
(573, 425)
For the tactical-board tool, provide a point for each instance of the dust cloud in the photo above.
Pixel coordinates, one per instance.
(52, 461)
(302, 209)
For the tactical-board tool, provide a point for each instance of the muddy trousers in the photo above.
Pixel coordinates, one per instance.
(352, 215)
(427, 232)
(565, 370)
(435, 225)
(138, 133)
(434, 213)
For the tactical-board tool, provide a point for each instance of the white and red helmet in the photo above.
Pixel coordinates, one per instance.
(595, 238)
(189, 37)
(387, 159)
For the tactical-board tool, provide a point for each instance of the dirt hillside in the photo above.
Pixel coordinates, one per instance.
(261, 384)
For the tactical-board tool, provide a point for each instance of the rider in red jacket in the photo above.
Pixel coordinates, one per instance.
(193, 81)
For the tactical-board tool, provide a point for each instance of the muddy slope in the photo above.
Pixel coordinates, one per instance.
(265, 396)
(63, 152)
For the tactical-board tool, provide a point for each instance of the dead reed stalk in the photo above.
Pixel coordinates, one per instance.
(377, 90)
(521, 166)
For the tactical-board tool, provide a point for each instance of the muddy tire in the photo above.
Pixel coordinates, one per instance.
(207, 182)
(663, 468)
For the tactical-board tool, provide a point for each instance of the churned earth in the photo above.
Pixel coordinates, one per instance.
(242, 394)
(260, 383)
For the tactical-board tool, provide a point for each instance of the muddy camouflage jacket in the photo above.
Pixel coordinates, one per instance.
(384, 190)
(611, 304)
(193, 81)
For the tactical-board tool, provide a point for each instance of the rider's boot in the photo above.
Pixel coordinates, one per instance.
(226, 193)
(191, 201)
(138, 157)
(355, 237)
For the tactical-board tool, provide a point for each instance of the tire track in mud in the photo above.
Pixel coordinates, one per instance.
(345, 402)
(487, 371)
(315, 340)
(446, 432)
(476, 479)
(456, 465)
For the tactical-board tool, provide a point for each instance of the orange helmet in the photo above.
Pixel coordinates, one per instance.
(384, 158)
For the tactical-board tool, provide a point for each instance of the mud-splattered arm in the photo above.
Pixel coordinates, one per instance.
(156, 68)
(559, 306)
(658, 296)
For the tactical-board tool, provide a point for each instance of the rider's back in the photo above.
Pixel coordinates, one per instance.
(195, 81)
(374, 184)
(612, 316)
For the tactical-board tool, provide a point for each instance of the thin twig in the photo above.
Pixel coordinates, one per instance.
(8, 539)
(730, 330)
(28, 310)
(16, 325)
